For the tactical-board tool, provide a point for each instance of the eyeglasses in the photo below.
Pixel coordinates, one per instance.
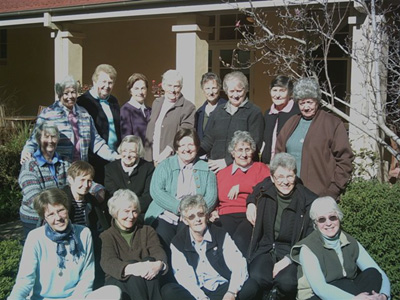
(245, 150)
(332, 218)
(61, 212)
(193, 216)
(281, 179)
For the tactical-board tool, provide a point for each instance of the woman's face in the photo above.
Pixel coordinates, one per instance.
(242, 154)
(187, 150)
(68, 98)
(196, 219)
(104, 85)
(48, 143)
(284, 180)
(129, 154)
(139, 91)
(57, 217)
(328, 224)
(308, 108)
(280, 97)
(211, 91)
(236, 92)
(172, 89)
(127, 216)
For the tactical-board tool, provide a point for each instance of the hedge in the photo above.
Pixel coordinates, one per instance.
(10, 253)
(372, 215)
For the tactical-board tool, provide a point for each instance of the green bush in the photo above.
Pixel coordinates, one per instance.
(371, 214)
(10, 254)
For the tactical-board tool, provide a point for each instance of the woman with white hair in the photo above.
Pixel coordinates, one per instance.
(319, 142)
(78, 133)
(130, 172)
(237, 114)
(334, 265)
(131, 254)
(169, 113)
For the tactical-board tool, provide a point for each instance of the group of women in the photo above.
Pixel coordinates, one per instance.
(280, 212)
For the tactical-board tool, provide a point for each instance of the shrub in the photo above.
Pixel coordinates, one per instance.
(10, 254)
(371, 215)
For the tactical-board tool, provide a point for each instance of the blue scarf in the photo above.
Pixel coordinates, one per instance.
(61, 238)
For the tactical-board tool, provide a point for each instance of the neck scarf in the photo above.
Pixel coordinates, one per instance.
(62, 238)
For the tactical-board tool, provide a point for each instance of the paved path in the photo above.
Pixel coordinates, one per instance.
(11, 230)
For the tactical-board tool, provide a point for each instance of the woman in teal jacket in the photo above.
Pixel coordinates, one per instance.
(179, 176)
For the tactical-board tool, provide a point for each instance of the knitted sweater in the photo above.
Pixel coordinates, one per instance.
(246, 181)
(33, 179)
(89, 138)
(39, 273)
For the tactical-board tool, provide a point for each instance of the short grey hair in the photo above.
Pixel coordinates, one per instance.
(283, 160)
(325, 205)
(209, 76)
(244, 137)
(121, 198)
(172, 75)
(307, 88)
(236, 76)
(46, 127)
(192, 202)
(67, 82)
(133, 139)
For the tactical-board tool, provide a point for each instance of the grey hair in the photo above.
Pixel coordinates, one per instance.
(67, 82)
(283, 160)
(244, 137)
(119, 199)
(236, 76)
(133, 139)
(325, 205)
(208, 77)
(46, 127)
(191, 202)
(172, 75)
(307, 88)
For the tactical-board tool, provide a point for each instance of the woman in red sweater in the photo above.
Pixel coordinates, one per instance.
(235, 183)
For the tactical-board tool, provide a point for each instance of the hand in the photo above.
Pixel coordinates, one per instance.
(135, 269)
(228, 296)
(101, 195)
(280, 265)
(234, 192)
(216, 165)
(379, 296)
(25, 156)
(251, 213)
(364, 296)
(214, 216)
(395, 173)
(153, 268)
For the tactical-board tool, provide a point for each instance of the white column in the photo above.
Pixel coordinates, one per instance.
(68, 52)
(191, 59)
(363, 112)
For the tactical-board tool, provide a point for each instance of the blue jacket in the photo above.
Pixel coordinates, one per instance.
(164, 184)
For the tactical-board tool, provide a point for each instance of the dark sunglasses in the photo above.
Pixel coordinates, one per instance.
(332, 218)
(193, 216)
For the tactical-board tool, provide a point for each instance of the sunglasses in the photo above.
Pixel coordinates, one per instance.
(332, 218)
(193, 216)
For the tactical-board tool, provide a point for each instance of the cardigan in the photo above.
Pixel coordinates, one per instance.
(181, 114)
(164, 185)
(327, 156)
(199, 117)
(94, 108)
(246, 181)
(39, 273)
(88, 137)
(270, 121)
(116, 254)
(33, 179)
(133, 122)
(138, 182)
(222, 125)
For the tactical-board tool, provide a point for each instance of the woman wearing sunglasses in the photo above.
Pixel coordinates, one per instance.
(278, 208)
(334, 265)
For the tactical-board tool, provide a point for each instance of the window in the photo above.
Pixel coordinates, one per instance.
(3, 46)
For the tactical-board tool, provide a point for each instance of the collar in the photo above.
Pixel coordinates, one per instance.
(229, 107)
(182, 164)
(206, 237)
(136, 104)
(286, 109)
(66, 110)
(235, 167)
(129, 170)
(42, 161)
(96, 96)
